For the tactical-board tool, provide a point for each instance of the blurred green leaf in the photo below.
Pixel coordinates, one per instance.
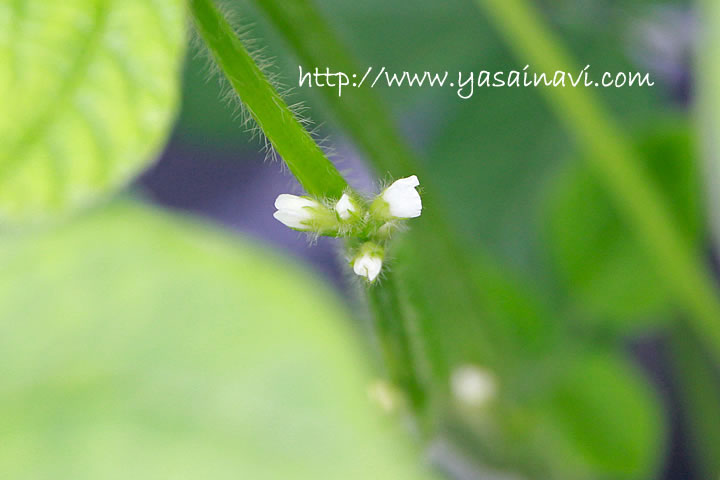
(138, 345)
(479, 314)
(605, 267)
(89, 91)
(562, 413)
(609, 420)
(495, 153)
(576, 415)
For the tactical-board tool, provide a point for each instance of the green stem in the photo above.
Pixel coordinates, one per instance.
(696, 376)
(394, 340)
(617, 166)
(707, 105)
(359, 109)
(302, 155)
(364, 118)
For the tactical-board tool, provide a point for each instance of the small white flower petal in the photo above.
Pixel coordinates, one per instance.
(293, 212)
(368, 266)
(407, 182)
(402, 198)
(290, 219)
(344, 207)
(286, 201)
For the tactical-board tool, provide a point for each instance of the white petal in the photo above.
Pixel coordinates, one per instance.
(293, 202)
(293, 211)
(407, 182)
(291, 219)
(402, 198)
(367, 266)
(344, 207)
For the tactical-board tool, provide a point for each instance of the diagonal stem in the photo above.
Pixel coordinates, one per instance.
(304, 158)
(616, 164)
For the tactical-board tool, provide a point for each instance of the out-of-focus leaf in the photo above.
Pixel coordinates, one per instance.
(502, 325)
(561, 414)
(608, 420)
(606, 269)
(595, 418)
(137, 345)
(495, 153)
(88, 90)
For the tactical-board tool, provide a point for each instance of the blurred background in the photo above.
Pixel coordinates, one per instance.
(498, 157)
(516, 191)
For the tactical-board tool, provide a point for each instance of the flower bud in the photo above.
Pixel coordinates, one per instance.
(296, 212)
(345, 207)
(402, 199)
(369, 261)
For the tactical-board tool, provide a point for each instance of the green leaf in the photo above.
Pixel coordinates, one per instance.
(617, 165)
(88, 90)
(608, 274)
(604, 422)
(138, 345)
(593, 417)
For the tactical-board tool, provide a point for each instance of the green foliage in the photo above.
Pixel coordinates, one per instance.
(88, 89)
(563, 408)
(575, 427)
(611, 417)
(142, 345)
(135, 338)
(444, 305)
(617, 166)
(607, 271)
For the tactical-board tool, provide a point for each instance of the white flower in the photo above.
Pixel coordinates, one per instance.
(344, 207)
(402, 198)
(295, 211)
(368, 265)
(473, 385)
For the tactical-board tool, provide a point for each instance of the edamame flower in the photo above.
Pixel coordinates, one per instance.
(403, 199)
(296, 212)
(368, 265)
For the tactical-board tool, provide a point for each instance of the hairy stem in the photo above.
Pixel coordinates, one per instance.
(361, 113)
(297, 148)
(316, 45)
